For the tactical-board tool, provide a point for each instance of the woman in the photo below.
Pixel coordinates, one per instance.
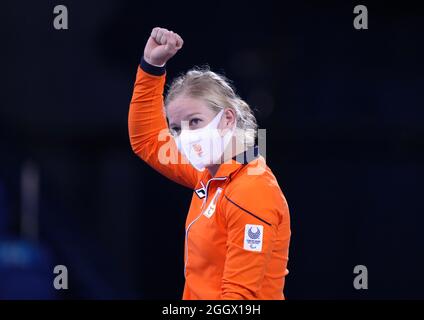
(238, 225)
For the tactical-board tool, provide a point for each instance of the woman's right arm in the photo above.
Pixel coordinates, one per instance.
(148, 130)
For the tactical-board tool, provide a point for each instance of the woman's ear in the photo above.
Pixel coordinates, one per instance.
(229, 118)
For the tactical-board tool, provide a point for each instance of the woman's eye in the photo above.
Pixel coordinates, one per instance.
(194, 122)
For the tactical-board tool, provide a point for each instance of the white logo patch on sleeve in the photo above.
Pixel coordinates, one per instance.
(253, 236)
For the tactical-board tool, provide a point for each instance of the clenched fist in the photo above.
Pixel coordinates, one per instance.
(161, 46)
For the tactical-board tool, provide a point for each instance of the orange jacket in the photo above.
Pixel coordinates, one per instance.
(238, 224)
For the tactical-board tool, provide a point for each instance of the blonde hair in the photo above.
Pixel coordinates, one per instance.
(216, 90)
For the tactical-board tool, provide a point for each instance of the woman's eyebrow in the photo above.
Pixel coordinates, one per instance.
(185, 117)
(191, 114)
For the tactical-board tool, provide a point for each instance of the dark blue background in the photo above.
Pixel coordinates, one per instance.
(343, 110)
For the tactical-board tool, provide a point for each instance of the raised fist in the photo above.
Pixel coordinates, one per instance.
(161, 46)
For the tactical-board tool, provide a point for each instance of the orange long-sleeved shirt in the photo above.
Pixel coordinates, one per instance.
(238, 225)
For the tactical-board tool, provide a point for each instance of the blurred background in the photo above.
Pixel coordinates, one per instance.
(343, 110)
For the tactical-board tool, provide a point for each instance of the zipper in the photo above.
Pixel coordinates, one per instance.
(197, 218)
(207, 187)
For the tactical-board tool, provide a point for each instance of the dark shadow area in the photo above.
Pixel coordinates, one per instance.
(343, 110)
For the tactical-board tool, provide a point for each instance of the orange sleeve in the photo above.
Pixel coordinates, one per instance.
(148, 131)
(255, 208)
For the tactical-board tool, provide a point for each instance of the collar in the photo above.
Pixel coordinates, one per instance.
(228, 168)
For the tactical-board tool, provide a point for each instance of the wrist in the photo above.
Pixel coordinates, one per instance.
(154, 63)
(151, 68)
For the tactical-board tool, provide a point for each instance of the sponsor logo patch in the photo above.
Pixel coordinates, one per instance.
(253, 236)
(210, 210)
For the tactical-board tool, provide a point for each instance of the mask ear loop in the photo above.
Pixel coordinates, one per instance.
(229, 144)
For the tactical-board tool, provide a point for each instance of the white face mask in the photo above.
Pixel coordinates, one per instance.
(204, 146)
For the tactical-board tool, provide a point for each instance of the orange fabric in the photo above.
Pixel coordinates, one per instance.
(217, 265)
